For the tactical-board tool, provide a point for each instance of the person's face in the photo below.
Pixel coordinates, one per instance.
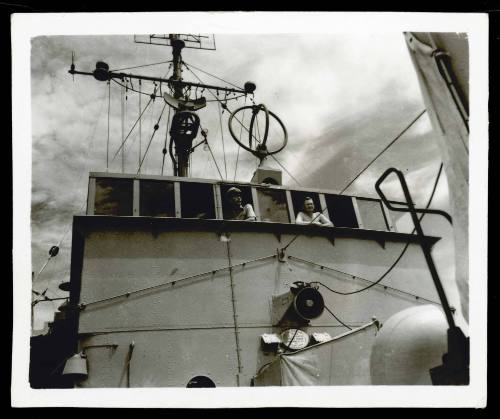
(236, 200)
(309, 205)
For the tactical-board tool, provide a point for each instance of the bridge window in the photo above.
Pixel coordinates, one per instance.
(341, 211)
(272, 205)
(372, 214)
(156, 198)
(113, 196)
(197, 200)
(246, 198)
(200, 381)
(298, 198)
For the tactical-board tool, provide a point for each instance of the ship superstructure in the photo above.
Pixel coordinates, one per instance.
(167, 290)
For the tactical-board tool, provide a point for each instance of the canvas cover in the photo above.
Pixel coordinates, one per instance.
(344, 360)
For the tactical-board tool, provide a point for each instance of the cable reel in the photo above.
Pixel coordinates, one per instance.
(260, 149)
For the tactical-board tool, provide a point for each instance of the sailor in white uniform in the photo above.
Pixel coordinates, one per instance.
(308, 216)
(237, 211)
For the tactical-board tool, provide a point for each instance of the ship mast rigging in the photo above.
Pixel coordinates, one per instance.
(185, 123)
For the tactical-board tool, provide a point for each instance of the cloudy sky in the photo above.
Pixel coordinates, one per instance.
(343, 98)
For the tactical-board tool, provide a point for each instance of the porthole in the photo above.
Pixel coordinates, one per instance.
(200, 381)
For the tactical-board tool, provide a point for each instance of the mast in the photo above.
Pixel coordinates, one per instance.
(185, 123)
(182, 152)
(177, 46)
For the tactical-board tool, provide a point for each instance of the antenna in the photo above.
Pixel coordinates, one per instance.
(185, 123)
(200, 41)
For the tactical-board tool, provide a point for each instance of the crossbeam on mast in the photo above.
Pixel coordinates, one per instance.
(108, 75)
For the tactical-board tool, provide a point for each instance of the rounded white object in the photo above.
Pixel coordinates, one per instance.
(295, 339)
(408, 345)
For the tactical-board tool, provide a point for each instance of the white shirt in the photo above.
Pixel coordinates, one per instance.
(317, 218)
(245, 213)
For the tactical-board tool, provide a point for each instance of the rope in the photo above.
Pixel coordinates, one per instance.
(151, 139)
(384, 150)
(336, 318)
(222, 137)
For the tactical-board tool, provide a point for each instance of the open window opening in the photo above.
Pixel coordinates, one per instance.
(197, 200)
(113, 196)
(341, 211)
(156, 198)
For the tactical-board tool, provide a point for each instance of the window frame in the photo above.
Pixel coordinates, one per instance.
(217, 197)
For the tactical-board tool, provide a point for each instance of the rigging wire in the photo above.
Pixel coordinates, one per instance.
(241, 131)
(141, 66)
(175, 281)
(404, 249)
(109, 110)
(123, 127)
(359, 174)
(140, 123)
(222, 137)
(289, 344)
(384, 150)
(274, 158)
(215, 161)
(417, 297)
(152, 136)
(133, 126)
(212, 75)
(286, 170)
(90, 137)
(138, 91)
(336, 318)
(164, 150)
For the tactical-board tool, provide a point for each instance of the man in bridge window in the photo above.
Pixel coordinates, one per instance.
(236, 210)
(308, 216)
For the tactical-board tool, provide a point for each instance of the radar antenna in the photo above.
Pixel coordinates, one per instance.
(259, 147)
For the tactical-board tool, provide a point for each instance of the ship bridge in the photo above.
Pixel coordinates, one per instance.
(167, 291)
(201, 204)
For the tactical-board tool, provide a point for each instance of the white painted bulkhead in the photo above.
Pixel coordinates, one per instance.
(189, 328)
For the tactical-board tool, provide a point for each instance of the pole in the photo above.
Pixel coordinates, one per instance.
(182, 154)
